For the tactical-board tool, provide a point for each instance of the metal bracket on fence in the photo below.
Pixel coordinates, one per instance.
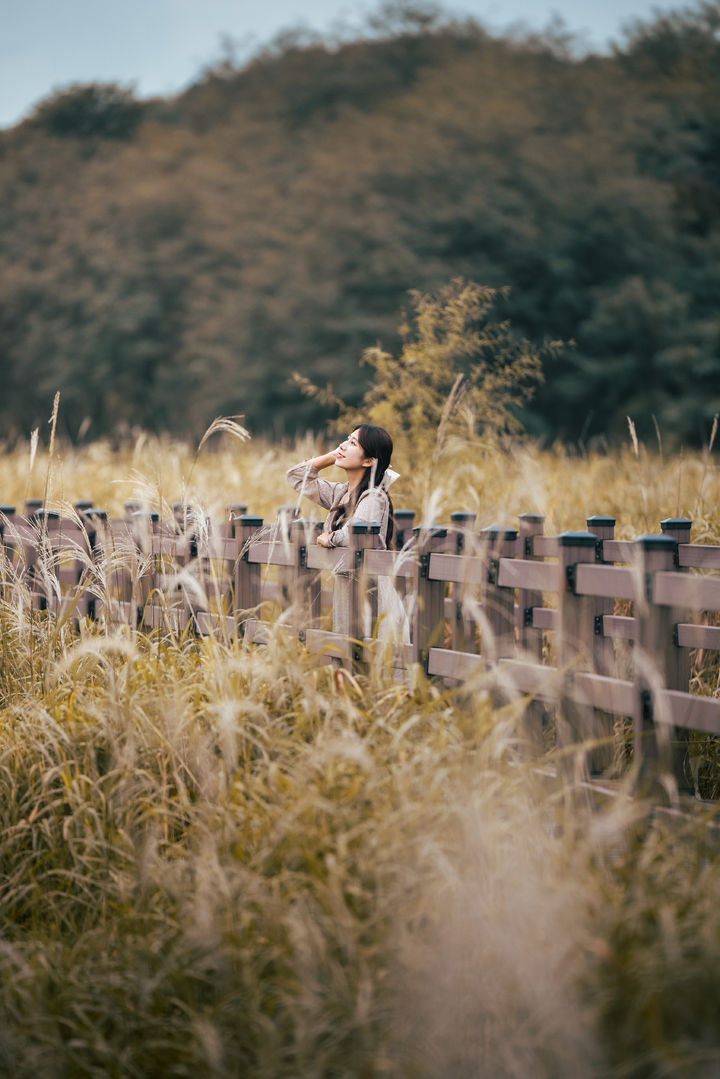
(599, 625)
(302, 556)
(359, 557)
(425, 565)
(529, 548)
(493, 570)
(528, 616)
(571, 576)
(599, 551)
(458, 612)
(646, 706)
(676, 635)
(302, 636)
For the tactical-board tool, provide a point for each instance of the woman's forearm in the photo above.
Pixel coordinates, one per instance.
(324, 461)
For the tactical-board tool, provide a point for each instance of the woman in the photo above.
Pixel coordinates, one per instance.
(364, 457)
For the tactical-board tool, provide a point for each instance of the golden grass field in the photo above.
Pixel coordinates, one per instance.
(224, 861)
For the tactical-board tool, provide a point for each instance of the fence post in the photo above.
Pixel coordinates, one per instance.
(247, 574)
(307, 589)
(601, 758)
(429, 613)
(403, 524)
(679, 673)
(575, 722)
(463, 628)
(286, 575)
(658, 664)
(530, 639)
(362, 605)
(499, 603)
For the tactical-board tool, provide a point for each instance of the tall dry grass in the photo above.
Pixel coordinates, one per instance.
(219, 860)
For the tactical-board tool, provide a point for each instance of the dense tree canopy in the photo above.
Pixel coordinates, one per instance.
(168, 261)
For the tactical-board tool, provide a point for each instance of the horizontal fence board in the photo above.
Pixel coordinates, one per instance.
(208, 623)
(157, 616)
(684, 590)
(610, 582)
(533, 576)
(545, 618)
(547, 683)
(219, 548)
(170, 546)
(619, 626)
(619, 550)
(690, 636)
(269, 553)
(530, 678)
(688, 711)
(403, 655)
(613, 695)
(401, 564)
(116, 610)
(335, 559)
(457, 568)
(698, 556)
(320, 642)
(444, 663)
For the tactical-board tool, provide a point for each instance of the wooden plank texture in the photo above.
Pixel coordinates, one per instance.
(688, 711)
(613, 582)
(691, 636)
(522, 573)
(698, 556)
(683, 590)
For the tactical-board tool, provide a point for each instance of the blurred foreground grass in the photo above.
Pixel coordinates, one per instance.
(219, 861)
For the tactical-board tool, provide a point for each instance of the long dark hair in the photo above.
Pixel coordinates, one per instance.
(376, 443)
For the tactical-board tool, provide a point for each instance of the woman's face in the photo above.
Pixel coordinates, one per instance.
(350, 455)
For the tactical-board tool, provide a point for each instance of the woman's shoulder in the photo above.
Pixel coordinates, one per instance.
(376, 493)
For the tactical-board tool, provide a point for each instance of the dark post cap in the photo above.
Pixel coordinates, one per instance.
(248, 520)
(657, 543)
(577, 539)
(462, 515)
(362, 528)
(92, 513)
(83, 504)
(46, 515)
(149, 515)
(33, 504)
(492, 532)
(432, 531)
(404, 515)
(532, 518)
(7, 511)
(683, 524)
(601, 522)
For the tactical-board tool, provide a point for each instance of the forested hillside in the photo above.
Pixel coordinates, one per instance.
(164, 262)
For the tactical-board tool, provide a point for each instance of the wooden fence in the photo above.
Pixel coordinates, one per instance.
(604, 627)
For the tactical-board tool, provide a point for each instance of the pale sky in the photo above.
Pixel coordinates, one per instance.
(160, 46)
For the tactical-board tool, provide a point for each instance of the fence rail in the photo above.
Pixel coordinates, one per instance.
(620, 617)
